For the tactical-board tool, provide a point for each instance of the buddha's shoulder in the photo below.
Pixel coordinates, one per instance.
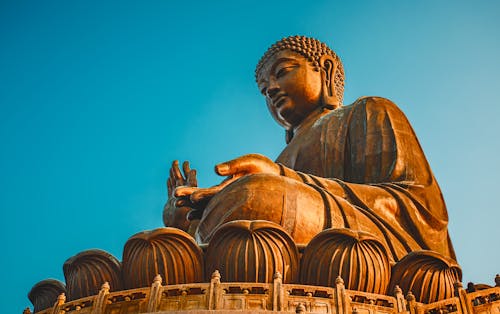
(375, 103)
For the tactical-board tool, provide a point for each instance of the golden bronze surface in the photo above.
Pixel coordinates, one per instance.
(348, 214)
(45, 293)
(253, 251)
(168, 252)
(276, 297)
(358, 167)
(324, 260)
(88, 270)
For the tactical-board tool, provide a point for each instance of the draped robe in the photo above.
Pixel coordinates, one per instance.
(359, 167)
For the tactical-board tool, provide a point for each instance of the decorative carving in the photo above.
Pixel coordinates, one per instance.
(300, 308)
(101, 299)
(358, 257)
(472, 287)
(252, 251)
(401, 302)
(260, 297)
(155, 294)
(428, 275)
(44, 294)
(87, 271)
(168, 252)
(277, 292)
(214, 291)
(61, 300)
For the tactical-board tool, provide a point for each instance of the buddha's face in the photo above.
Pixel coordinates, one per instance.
(291, 86)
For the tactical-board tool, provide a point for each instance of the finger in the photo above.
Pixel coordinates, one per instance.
(243, 164)
(200, 194)
(169, 186)
(191, 178)
(185, 168)
(172, 172)
(177, 173)
(184, 191)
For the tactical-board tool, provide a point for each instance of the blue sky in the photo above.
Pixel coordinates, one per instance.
(96, 100)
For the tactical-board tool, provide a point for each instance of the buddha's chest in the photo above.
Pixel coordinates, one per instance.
(306, 152)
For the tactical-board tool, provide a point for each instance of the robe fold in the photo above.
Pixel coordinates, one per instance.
(367, 166)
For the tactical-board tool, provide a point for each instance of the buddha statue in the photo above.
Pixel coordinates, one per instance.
(355, 169)
(351, 203)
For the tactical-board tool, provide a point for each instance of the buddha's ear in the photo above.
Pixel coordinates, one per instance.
(328, 68)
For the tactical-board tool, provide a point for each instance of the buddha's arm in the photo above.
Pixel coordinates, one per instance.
(197, 198)
(417, 208)
(358, 194)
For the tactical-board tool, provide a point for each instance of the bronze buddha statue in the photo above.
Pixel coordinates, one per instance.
(350, 200)
(358, 167)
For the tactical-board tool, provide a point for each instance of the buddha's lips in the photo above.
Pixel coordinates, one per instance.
(279, 101)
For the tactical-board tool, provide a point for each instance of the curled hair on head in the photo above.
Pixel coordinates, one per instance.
(311, 49)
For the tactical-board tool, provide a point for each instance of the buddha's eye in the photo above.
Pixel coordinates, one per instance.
(263, 91)
(281, 72)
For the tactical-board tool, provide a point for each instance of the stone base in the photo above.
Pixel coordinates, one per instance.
(237, 297)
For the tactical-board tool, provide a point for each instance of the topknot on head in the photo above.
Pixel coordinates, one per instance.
(311, 49)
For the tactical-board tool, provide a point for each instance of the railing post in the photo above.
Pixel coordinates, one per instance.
(400, 299)
(277, 292)
(100, 300)
(343, 302)
(214, 293)
(61, 299)
(411, 303)
(300, 309)
(155, 294)
(461, 294)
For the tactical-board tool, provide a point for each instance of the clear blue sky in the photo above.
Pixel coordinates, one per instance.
(98, 97)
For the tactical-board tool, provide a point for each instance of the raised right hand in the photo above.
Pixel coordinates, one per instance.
(176, 209)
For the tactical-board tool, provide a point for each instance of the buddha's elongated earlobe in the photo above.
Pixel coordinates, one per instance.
(328, 68)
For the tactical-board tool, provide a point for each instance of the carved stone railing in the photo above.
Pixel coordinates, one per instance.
(275, 296)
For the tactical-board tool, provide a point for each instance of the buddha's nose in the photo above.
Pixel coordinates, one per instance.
(272, 90)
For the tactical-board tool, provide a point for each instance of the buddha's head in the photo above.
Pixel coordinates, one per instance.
(299, 75)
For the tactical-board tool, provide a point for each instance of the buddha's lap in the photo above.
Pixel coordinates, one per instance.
(298, 207)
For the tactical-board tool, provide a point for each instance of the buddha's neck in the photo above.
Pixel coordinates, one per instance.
(309, 120)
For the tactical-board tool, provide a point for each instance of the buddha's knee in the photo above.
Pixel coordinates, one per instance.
(429, 275)
(359, 258)
(292, 204)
